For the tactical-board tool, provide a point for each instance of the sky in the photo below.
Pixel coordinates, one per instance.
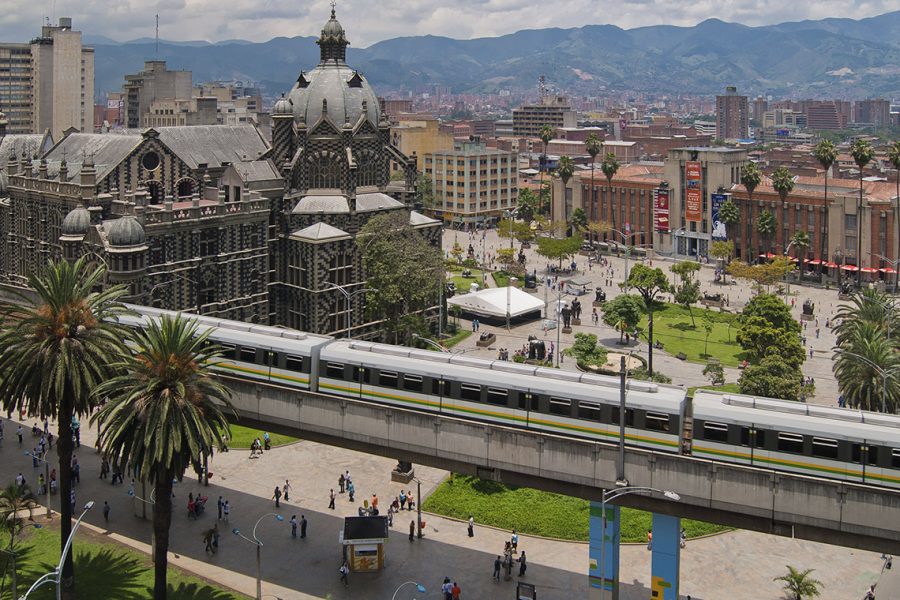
(368, 21)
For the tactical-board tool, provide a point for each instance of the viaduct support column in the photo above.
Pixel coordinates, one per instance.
(664, 569)
(604, 548)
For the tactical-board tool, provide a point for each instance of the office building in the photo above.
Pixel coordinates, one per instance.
(732, 115)
(552, 110)
(154, 83)
(875, 112)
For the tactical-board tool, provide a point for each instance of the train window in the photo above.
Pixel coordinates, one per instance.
(790, 442)
(629, 417)
(228, 351)
(294, 363)
(334, 370)
(470, 392)
(656, 421)
(895, 459)
(526, 398)
(871, 454)
(759, 434)
(589, 410)
(715, 432)
(438, 386)
(387, 379)
(273, 358)
(497, 396)
(560, 406)
(412, 382)
(248, 354)
(824, 447)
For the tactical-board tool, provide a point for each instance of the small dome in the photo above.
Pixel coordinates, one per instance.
(282, 107)
(77, 222)
(333, 29)
(125, 231)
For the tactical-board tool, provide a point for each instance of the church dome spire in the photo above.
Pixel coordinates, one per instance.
(333, 42)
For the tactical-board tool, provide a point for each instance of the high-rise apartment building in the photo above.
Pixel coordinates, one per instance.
(760, 107)
(877, 112)
(552, 110)
(732, 115)
(154, 83)
(48, 83)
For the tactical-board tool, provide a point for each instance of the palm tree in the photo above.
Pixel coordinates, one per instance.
(565, 170)
(783, 182)
(799, 584)
(765, 227)
(800, 243)
(527, 205)
(826, 154)
(729, 215)
(546, 134)
(53, 356)
(164, 413)
(14, 501)
(867, 306)
(866, 366)
(610, 166)
(862, 153)
(894, 159)
(593, 145)
(751, 177)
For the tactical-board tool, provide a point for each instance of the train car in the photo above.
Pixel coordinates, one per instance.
(254, 352)
(837, 443)
(513, 394)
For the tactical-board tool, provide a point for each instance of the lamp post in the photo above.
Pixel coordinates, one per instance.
(46, 482)
(347, 296)
(14, 585)
(255, 540)
(627, 250)
(839, 261)
(419, 508)
(419, 588)
(512, 281)
(609, 496)
(55, 575)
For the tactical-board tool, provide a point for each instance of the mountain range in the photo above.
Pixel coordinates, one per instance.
(843, 58)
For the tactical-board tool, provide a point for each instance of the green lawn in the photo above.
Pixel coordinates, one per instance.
(242, 437)
(672, 327)
(463, 283)
(728, 388)
(456, 338)
(502, 279)
(536, 512)
(102, 570)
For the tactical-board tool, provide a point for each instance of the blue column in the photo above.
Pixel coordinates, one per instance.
(610, 554)
(665, 566)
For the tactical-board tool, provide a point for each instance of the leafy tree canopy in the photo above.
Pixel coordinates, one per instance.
(558, 249)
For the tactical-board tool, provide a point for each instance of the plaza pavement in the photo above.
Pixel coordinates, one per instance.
(683, 373)
(732, 566)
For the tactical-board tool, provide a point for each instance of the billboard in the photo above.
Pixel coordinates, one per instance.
(693, 170)
(719, 231)
(661, 210)
(693, 194)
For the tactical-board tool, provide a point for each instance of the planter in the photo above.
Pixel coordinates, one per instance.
(681, 356)
(806, 317)
(484, 343)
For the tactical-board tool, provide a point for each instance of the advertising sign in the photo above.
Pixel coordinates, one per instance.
(661, 210)
(693, 170)
(693, 195)
(718, 227)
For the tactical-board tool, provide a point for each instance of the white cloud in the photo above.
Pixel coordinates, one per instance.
(367, 22)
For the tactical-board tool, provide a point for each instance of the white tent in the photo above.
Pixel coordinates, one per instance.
(492, 302)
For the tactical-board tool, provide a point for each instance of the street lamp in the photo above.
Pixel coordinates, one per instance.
(55, 575)
(418, 508)
(419, 588)
(609, 496)
(347, 296)
(14, 585)
(431, 343)
(46, 481)
(885, 374)
(259, 545)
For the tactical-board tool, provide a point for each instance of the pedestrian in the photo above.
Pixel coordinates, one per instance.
(455, 591)
(870, 593)
(402, 500)
(277, 496)
(412, 530)
(294, 526)
(649, 539)
(219, 504)
(106, 511)
(351, 490)
(303, 524)
(683, 538)
(19, 433)
(390, 515)
(331, 499)
(471, 526)
(76, 473)
(447, 589)
(522, 564)
(41, 485)
(287, 490)
(267, 440)
(46, 426)
(341, 483)
(345, 570)
(374, 501)
(226, 510)
(224, 443)
(497, 564)
(104, 468)
(514, 542)
(409, 500)
(207, 541)
(20, 480)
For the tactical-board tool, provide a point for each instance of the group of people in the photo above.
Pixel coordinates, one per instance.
(257, 446)
(505, 563)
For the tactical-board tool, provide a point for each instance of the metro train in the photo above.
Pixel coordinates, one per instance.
(836, 443)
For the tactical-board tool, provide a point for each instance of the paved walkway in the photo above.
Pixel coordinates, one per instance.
(736, 566)
(683, 373)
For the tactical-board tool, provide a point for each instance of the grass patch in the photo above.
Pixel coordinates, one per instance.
(535, 512)
(673, 328)
(457, 337)
(501, 278)
(242, 437)
(728, 388)
(102, 570)
(463, 283)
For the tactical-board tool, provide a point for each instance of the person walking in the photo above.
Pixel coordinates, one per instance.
(514, 542)
(497, 565)
(341, 483)
(402, 500)
(294, 526)
(455, 592)
(409, 500)
(649, 539)
(303, 524)
(331, 496)
(351, 490)
(106, 511)
(345, 571)
(219, 504)
(226, 510)
(522, 564)
(471, 526)
(19, 433)
(412, 530)
(277, 496)
(287, 490)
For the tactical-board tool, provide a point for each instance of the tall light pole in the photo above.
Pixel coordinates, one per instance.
(509, 286)
(895, 264)
(431, 343)
(347, 296)
(55, 575)
(609, 496)
(255, 540)
(419, 588)
(627, 250)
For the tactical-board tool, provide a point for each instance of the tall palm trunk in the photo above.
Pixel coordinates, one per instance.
(64, 449)
(897, 227)
(823, 231)
(859, 232)
(162, 520)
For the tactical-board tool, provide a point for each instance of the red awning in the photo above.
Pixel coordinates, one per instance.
(794, 260)
(887, 270)
(853, 268)
(830, 265)
(869, 270)
(816, 261)
(768, 255)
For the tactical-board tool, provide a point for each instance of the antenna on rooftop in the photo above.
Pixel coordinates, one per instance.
(157, 36)
(542, 86)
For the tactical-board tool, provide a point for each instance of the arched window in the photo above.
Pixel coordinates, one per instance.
(154, 188)
(185, 188)
(367, 165)
(325, 170)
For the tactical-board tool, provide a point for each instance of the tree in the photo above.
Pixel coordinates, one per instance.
(598, 228)
(894, 159)
(527, 206)
(751, 177)
(558, 249)
(14, 502)
(566, 169)
(521, 231)
(862, 153)
(765, 226)
(405, 269)
(707, 329)
(771, 378)
(623, 312)
(826, 154)
(715, 373)
(724, 251)
(424, 192)
(507, 258)
(649, 283)
(866, 366)
(783, 182)
(164, 413)
(54, 354)
(729, 214)
(799, 584)
(546, 134)
(867, 306)
(773, 310)
(593, 146)
(586, 350)
(610, 166)
(579, 221)
(457, 251)
(687, 292)
(764, 274)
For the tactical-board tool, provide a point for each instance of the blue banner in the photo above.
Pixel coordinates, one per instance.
(718, 227)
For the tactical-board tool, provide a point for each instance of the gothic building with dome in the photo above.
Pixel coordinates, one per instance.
(216, 219)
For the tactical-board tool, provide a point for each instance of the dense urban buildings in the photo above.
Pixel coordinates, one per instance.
(553, 111)
(732, 115)
(48, 84)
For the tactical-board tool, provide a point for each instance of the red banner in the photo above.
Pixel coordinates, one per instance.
(661, 211)
(693, 170)
(693, 205)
